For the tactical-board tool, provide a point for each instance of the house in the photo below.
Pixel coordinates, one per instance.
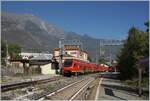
(47, 69)
(43, 63)
(16, 67)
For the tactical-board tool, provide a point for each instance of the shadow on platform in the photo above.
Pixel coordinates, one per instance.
(110, 93)
(131, 90)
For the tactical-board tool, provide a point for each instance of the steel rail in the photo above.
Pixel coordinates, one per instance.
(78, 92)
(59, 90)
(66, 87)
(7, 87)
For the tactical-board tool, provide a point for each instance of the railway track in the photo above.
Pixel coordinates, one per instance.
(58, 84)
(70, 91)
(12, 86)
(45, 91)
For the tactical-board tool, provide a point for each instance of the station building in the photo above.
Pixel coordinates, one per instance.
(71, 52)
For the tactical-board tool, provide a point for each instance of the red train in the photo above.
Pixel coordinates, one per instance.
(75, 67)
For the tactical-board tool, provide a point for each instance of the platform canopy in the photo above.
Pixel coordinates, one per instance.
(40, 60)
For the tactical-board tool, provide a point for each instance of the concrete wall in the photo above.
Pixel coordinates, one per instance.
(83, 56)
(47, 69)
(56, 53)
(17, 67)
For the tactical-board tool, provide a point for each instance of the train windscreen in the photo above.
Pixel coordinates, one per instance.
(68, 63)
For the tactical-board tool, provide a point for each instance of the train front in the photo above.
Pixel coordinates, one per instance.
(67, 67)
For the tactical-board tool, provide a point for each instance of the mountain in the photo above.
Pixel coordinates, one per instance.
(29, 31)
(32, 33)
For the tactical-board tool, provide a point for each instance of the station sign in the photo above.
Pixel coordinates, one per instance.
(71, 46)
(73, 52)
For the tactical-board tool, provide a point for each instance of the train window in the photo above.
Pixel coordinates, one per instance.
(68, 63)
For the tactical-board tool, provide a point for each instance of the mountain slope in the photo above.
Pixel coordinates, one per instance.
(31, 33)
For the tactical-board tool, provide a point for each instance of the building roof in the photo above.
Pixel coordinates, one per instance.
(66, 55)
(39, 62)
(85, 52)
(67, 48)
(42, 57)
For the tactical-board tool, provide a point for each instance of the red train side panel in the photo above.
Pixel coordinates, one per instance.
(73, 66)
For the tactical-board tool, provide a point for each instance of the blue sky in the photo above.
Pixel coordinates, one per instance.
(99, 19)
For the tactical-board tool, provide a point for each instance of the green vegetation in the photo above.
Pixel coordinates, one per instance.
(3, 49)
(3, 52)
(134, 83)
(3, 80)
(135, 48)
(50, 87)
(147, 25)
(89, 58)
(20, 92)
(102, 60)
(13, 51)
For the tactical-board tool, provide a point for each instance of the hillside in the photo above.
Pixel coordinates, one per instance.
(32, 33)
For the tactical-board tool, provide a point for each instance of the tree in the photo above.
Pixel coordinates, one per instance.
(3, 49)
(134, 48)
(14, 50)
(147, 39)
(147, 25)
(102, 60)
(90, 60)
(3, 52)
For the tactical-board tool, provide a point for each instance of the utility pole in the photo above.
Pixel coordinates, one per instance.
(60, 54)
(6, 54)
(141, 65)
(140, 79)
(97, 53)
(99, 49)
(110, 56)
